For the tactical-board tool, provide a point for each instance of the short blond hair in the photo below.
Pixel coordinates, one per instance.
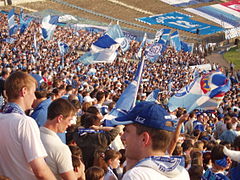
(16, 81)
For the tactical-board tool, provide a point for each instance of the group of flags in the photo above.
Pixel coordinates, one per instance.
(165, 37)
(105, 48)
(205, 92)
(162, 39)
(13, 26)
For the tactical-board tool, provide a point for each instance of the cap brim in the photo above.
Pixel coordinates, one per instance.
(121, 121)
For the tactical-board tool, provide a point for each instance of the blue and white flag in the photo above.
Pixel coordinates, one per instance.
(186, 47)
(158, 35)
(12, 26)
(63, 48)
(35, 44)
(175, 41)
(103, 50)
(153, 96)
(9, 40)
(139, 54)
(196, 73)
(49, 24)
(24, 23)
(115, 32)
(165, 36)
(153, 51)
(127, 100)
(125, 45)
(66, 18)
(205, 92)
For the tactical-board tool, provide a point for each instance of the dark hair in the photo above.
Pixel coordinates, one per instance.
(206, 159)
(123, 157)
(229, 126)
(76, 162)
(88, 119)
(69, 88)
(100, 95)
(41, 94)
(93, 110)
(195, 172)
(111, 154)
(187, 160)
(177, 151)
(217, 153)
(94, 173)
(69, 135)
(191, 115)
(4, 72)
(76, 151)
(101, 159)
(60, 107)
(196, 132)
(186, 145)
(160, 138)
(196, 158)
(85, 106)
(76, 104)
(227, 118)
(55, 91)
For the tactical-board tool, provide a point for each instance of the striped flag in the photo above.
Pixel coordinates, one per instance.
(127, 100)
(12, 26)
(175, 41)
(205, 92)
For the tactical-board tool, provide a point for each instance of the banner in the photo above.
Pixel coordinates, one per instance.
(162, 18)
(232, 33)
(202, 67)
(182, 3)
(181, 21)
(218, 13)
(235, 5)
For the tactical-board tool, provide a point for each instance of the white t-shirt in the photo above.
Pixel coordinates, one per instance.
(20, 144)
(146, 173)
(59, 155)
(155, 168)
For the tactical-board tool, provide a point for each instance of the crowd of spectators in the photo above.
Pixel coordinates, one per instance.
(205, 139)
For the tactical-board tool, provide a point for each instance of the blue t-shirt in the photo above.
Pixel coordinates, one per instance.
(209, 175)
(198, 125)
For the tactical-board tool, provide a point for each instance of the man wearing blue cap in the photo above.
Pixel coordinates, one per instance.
(147, 136)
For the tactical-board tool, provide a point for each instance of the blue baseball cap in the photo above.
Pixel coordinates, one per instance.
(148, 114)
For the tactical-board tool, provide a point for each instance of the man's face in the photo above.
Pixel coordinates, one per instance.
(65, 122)
(30, 96)
(132, 142)
(200, 118)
